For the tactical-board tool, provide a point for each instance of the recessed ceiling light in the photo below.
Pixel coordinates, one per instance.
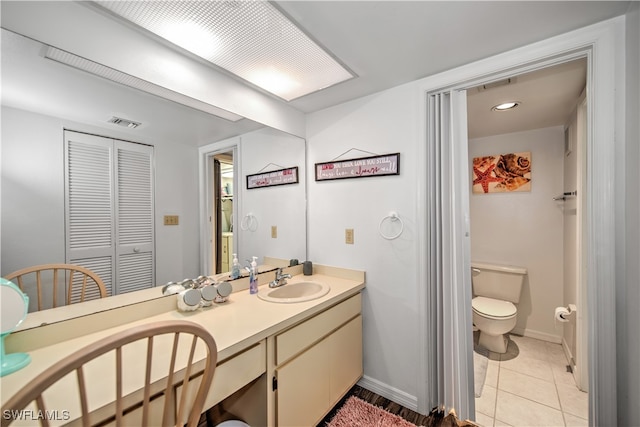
(252, 39)
(506, 106)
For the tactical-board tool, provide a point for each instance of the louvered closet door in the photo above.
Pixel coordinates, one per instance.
(90, 214)
(110, 227)
(135, 219)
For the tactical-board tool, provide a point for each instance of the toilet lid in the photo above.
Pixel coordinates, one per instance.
(493, 307)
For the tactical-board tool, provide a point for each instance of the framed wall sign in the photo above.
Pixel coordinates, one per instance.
(270, 179)
(386, 164)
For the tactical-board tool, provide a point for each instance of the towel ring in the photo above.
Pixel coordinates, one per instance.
(393, 217)
(249, 222)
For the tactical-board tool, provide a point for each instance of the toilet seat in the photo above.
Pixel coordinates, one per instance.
(491, 308)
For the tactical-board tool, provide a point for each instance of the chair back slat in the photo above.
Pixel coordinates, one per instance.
(128, 400)
(166, 413)
(70, 288)
(39, 288)
(147, 383)
(187, 377)
(82, 394)
(43, 409)
(119, 379)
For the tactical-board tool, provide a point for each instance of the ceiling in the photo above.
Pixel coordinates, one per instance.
(32, 83)
(389, 43)
(546, 98)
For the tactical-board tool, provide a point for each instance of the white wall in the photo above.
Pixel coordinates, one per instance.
(525, 228)
(628, 301)
(388, 122)
(383, 123)
(283, 206)
(33, 195)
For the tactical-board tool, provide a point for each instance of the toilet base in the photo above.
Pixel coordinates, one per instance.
(495, 343)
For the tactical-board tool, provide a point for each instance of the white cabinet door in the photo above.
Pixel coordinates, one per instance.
(310, 384)
(304, 387)
(345, 355)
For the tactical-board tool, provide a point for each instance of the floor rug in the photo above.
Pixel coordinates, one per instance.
(480, 362)
(357, 413)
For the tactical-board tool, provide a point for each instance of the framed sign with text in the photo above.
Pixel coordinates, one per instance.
(386, 164)
(270, 179)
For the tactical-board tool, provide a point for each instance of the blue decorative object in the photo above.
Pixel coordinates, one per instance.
(15, 305)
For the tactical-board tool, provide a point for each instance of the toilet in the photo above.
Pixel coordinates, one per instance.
(496, 290)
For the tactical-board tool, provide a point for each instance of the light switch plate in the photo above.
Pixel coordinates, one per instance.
(348, 236)
(171, 220)
(274, 231)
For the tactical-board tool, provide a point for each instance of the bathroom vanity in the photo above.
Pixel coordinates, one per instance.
(279, 364)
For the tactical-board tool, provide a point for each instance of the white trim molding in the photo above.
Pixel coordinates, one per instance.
(388, 392)
(204, 152)
(603, 45)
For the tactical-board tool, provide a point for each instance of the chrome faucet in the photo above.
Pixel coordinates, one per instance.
(280, 280)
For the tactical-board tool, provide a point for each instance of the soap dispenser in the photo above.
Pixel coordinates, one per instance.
(253, 276)
(235, 267)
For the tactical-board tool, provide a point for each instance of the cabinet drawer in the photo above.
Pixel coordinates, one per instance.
(230, 376)
(296, 339)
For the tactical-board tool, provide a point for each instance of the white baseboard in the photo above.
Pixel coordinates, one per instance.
(543, 336)
(388, 392)
(567, 354)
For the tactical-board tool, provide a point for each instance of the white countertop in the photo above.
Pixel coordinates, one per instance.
(236, 325)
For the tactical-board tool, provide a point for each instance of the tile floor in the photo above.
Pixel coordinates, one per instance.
(530, 386)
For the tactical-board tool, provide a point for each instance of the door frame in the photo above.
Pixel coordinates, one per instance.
(603, 46)
(205, 167)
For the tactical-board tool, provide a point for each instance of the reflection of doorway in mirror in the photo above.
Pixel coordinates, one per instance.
(222, 223)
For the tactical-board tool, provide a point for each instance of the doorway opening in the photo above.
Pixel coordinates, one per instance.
(220, 208)
(445, 300)
(530, 214)
(222, 212)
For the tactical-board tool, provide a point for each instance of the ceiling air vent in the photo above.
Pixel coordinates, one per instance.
(495, 84)
(124, 122)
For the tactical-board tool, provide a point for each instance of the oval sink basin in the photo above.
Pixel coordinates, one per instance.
(294, 292)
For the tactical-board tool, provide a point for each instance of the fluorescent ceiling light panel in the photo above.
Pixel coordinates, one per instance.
(108, 73)
(251, 39)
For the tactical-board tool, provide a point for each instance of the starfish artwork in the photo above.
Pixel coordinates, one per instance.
(485, 177)
(502, 173)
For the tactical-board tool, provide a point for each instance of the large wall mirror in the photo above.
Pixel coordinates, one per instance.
(41, 99)
(269, 219)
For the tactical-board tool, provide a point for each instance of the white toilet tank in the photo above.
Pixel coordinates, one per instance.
(503, 282)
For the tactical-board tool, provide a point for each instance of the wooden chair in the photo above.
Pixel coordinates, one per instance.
(177, 409)
(58, 272)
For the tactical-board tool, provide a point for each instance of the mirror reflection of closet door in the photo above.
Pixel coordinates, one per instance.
(109, 221)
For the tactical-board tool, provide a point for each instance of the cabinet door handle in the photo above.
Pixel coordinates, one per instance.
(136, 250)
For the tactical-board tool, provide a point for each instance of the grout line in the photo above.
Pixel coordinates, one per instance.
(495, 405)
(554, 381)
